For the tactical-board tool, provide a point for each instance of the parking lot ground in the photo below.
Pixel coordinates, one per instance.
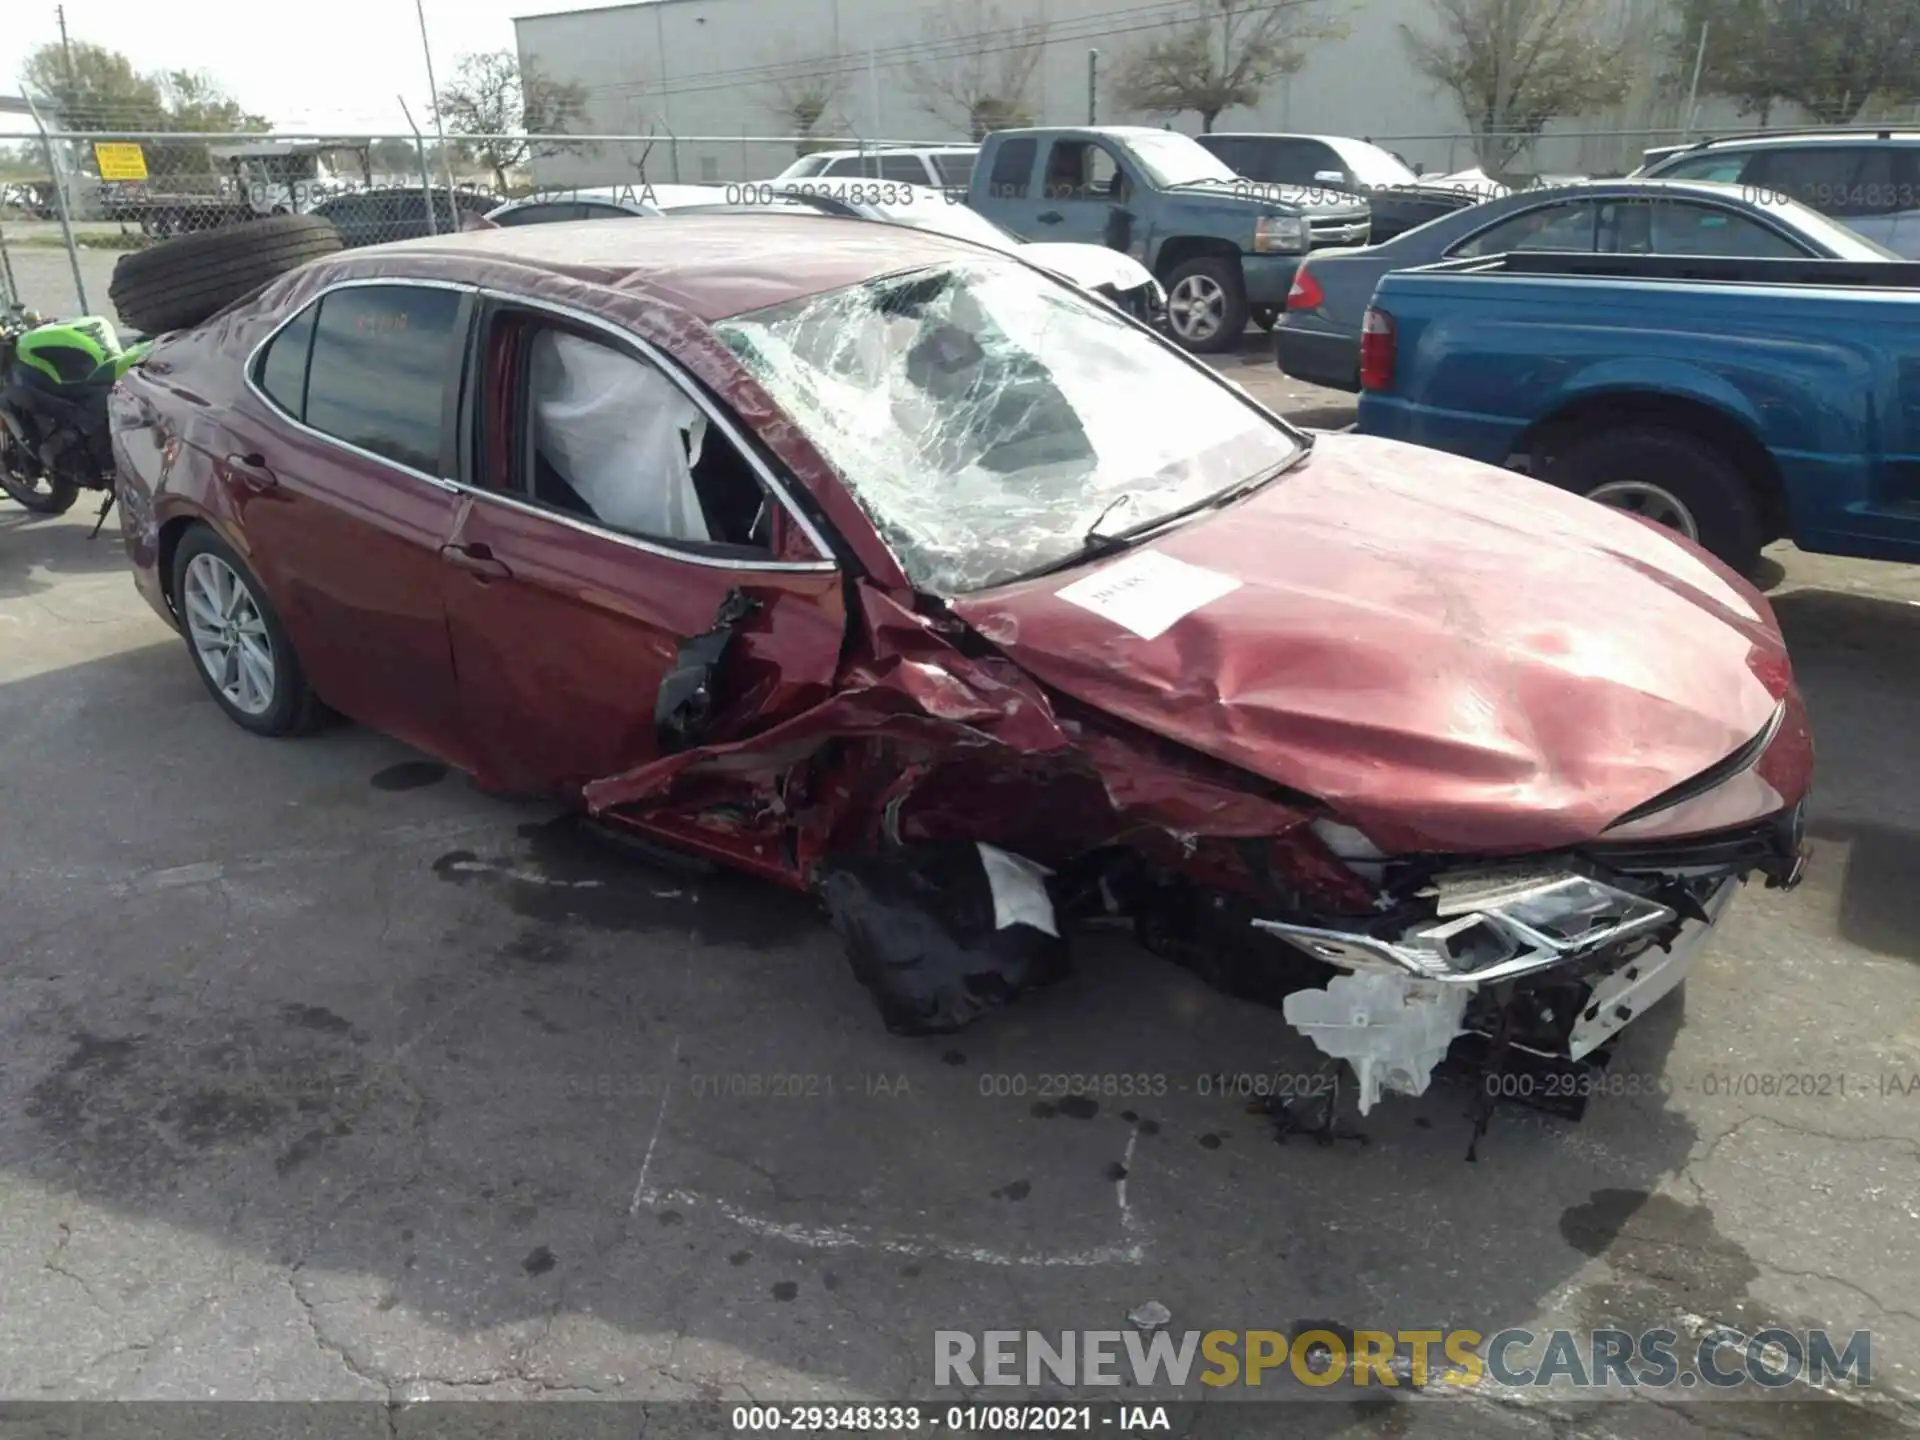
(326, 1076)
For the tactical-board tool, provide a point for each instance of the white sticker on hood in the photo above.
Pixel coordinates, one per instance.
(1148, 593)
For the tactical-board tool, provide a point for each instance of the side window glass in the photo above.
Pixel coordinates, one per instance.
(1820, 176)
(1682, 229)
(851, 165)
(1230, 152)
(1012, 169)
(1081, 170)
(903, 169)
(1551, 227)
(1299, 162)
(282, 371)
(382, 357)
(610, 439)
(1722, 168)
(1874, 189)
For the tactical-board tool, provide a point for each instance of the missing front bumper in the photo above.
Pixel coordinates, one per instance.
(1394, 1026)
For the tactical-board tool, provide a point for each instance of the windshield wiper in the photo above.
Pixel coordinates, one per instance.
(1093, 538)
(1097, 545)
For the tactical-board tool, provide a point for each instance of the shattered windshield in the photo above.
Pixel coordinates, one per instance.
(988, 418)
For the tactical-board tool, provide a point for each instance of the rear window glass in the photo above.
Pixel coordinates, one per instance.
(954, 170)
(382, 357)
(1013, 169)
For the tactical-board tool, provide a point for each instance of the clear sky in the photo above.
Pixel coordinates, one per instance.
(325, 64)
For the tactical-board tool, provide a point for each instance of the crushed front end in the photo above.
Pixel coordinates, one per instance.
(1542, 961)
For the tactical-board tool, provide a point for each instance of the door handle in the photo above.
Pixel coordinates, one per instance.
(1049, 217)
(252, 471)
(477, 560)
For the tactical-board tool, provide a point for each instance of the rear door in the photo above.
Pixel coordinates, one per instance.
(1011, 194)
(340, 477)
(613, 510)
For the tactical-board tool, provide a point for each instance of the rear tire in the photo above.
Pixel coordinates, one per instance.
(182, 281)
(1207, 305)
(236, 641)
(1651, 469)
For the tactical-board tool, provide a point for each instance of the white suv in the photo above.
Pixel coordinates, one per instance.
(1867, 179)
(948, 167)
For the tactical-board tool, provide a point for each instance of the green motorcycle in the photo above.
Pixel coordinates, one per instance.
(54, 379)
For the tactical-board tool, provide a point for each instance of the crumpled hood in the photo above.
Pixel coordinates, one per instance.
(1453, 656)
(1089, 265)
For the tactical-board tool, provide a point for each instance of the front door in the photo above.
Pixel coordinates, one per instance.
(612, 519)
(339, 483)
(1089, 196)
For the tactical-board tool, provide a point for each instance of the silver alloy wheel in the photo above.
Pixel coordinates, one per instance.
(1651, 502)
(229, 634)
(1197, 308)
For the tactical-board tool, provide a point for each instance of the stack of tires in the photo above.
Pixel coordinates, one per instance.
(182, 281)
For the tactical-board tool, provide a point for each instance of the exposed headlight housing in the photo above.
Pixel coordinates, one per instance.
(1284, 234)
(1492, 924)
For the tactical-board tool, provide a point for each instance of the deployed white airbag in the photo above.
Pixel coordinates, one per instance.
(622, 434)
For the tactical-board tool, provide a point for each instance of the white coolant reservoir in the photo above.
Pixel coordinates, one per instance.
(1392, 1030)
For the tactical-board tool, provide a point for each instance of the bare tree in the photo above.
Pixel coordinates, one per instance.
(1831, 57)
(804, 94)
(499, 107)
(977, 67)
(1514, 65)
(1223, 53)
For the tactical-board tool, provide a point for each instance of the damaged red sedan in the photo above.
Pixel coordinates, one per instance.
(899, 571)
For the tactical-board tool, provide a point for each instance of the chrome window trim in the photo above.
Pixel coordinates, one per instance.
(455, 487)
(357, 283)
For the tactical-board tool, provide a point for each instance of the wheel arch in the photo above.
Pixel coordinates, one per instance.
(1689, 414)
(1177, 250)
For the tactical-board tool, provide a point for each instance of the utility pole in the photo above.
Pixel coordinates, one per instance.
(439, 127)
(1693, 90)
(66, 52)
(1093, 87)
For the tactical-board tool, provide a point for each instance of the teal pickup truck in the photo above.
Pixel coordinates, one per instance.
(1736, 400)
(1224, 247)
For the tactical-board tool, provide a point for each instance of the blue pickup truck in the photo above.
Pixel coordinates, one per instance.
(1738, 401)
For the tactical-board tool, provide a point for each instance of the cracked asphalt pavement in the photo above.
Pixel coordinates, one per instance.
(328, 1077)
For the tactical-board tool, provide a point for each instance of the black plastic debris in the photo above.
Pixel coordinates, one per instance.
(924, 932)
(684, 707)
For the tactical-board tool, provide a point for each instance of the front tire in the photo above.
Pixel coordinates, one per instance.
(236, 640)
(1670, 476)
(1207, 305)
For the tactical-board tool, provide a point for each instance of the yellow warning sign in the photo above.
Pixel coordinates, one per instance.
(120, 160)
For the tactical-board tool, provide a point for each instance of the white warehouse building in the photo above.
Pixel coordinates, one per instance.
(711, 80)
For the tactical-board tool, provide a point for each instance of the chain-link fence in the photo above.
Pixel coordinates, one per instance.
(101, 194)
(89, 197)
